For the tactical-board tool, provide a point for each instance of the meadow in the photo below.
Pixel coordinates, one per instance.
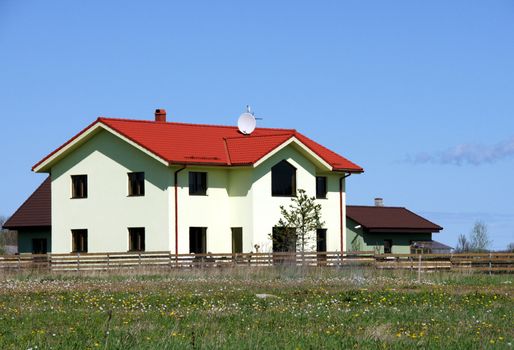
(268, 308)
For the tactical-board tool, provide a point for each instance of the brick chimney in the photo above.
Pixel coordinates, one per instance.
(160, 115)
(379, 202)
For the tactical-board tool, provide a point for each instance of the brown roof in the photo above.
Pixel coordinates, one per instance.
(35, 211)
(389, 219)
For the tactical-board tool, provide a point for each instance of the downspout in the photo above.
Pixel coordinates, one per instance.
(176, 209)
(341, 210)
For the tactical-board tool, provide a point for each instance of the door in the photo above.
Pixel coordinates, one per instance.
(198, 240)
(388, 246)
(321, 243)
(237, 240)
(39, 246)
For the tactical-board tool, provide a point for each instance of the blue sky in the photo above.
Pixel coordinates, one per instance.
(418, 93)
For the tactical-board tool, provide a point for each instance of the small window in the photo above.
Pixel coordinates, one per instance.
(136, 183)
(321, 187)
(198, 240)
(197, 183)
(388, 246)
(78, 186)
(283, 180)
(237, 240)
(136, 239)
(79, 241)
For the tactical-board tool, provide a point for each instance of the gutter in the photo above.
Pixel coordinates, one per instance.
(176, 208)
(341, 210)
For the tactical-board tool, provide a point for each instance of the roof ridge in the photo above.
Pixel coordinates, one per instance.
(374, 206)
(190, 124)
(255, 136)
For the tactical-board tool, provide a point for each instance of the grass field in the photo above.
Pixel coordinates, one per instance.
(317, 308)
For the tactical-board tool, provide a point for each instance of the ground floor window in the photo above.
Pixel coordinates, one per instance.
(198, 240)
(321, 240)
(237, 240)
(388, 246)
(284, 239)
(136, 239)
(79, 241)
(39, 246)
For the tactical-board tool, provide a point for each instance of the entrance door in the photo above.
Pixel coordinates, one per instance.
(237, 240)
(39, 246)
(388, 246)
(321, 243)
(198, 240)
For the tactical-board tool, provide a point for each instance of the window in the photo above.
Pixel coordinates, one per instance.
(198, 240)
(283, 180)
(237, 240)
(136, 239)
(79, 241)
(321, 187)
(197, 183)
(284, 239)
(136, 184)
(388, 246)
(39, 246)
(78, 186)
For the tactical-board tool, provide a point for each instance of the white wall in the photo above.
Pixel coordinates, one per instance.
(108, 211)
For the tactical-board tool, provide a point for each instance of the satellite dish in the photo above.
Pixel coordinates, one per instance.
(246, 122)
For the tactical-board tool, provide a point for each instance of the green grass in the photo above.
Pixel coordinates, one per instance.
(312, 309)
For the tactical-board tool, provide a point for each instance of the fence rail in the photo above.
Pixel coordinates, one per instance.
(486, 262)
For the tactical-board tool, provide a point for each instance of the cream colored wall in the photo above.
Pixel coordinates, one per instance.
(108, 211)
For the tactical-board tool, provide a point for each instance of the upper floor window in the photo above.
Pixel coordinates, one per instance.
(79, 241)
(136, 239)
(197, 183)
(321, 187)
(136, 183)
(78, 186)
(283, 179)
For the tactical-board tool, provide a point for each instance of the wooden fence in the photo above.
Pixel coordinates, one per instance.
(488, 262)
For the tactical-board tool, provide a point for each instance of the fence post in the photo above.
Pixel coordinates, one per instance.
(108, 263)
(490, 264)
(78, 261)
(419, 268)
(19, 261)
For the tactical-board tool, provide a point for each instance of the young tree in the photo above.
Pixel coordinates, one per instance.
(479, 237)
(303, 216)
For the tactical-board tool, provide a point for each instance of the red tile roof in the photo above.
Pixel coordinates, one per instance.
(389, 219)
(35, 211)
(181, 143)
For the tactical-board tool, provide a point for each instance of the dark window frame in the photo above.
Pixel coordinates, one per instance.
(321, 187)
(79, 186)
(283, 184)
(79, 241)
(137, 239)
(136, 184)
(198, 183)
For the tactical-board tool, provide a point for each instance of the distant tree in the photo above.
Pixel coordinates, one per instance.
(2, 234)
(510, 247)
(462, 244)
(303, 216)
(479, 237)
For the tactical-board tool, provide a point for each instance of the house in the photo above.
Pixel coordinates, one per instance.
(33, 221)
(153, 185)
(394, 230)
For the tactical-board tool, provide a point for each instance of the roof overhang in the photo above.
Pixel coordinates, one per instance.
(402, 230)
(46, 163)
(317, 160)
